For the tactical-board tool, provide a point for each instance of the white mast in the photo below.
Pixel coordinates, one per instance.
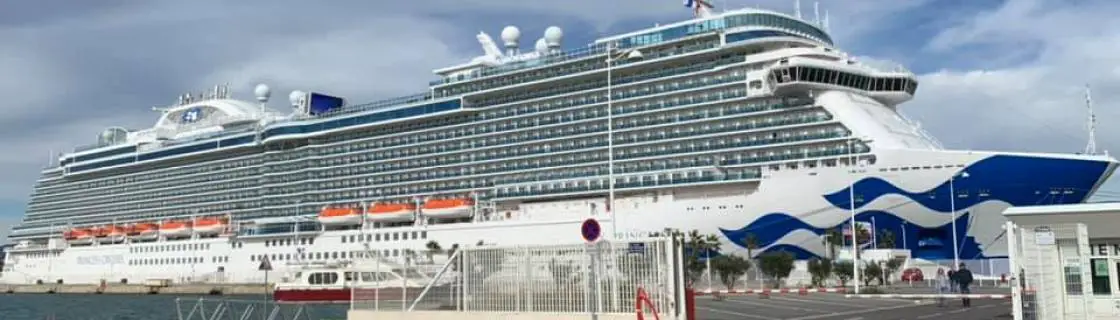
(825, 22)
(1091, 147)
(797, 8)
(817, 13)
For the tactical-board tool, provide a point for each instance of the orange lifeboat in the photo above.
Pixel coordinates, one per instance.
(448, 208)
(175, 229)
(144, 231)
(391, 212)
(340, 216)
(78, 236)
(210, 225)
(112, 234)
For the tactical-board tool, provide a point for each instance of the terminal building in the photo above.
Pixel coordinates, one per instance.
(1067, 259)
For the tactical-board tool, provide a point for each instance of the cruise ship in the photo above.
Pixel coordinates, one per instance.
(748, 124)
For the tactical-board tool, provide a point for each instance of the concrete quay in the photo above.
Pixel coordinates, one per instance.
(174, 289)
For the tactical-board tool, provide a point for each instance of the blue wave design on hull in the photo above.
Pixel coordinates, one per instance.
(770, 228)
(1012, 179)
(1016, 180)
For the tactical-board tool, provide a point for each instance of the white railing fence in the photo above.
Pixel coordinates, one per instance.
(244, 309)
(599, 279)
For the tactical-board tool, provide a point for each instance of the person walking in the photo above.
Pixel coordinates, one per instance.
(942, 285)
(952, 280)
(964, 279)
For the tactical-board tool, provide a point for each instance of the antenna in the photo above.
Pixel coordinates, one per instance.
(1091, 147)
(797, 8)
(817, 12)
(825, 27)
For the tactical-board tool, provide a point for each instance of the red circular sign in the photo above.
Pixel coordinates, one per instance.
(590, 230)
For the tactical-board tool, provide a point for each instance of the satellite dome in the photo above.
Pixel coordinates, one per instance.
(263, 92)
(296, 97)
(553, 35)
(542, 46)
(510, 35)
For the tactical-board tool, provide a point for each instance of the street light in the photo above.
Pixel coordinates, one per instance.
(612, 56)
(953, 216)
(854, 162)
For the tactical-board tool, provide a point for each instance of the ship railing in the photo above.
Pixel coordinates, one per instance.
(603, 278)
(214, 309)
(884, 66)
(376, 105)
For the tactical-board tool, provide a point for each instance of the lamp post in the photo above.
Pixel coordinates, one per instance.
(852, 211)
(612, 56)
(953, 216)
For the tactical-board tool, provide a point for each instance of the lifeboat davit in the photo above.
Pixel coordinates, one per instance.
(175, 229)
(447, 208)
(210, 226)
(340, 216)
(144, 231)
(111, 234)
(78, 236)
(391, 212)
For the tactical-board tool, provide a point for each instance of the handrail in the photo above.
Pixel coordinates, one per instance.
(450, 261)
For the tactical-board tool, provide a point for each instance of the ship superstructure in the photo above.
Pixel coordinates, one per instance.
(749, 124)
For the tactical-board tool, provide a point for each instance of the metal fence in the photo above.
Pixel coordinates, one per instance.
(604, 278)
(234, 309)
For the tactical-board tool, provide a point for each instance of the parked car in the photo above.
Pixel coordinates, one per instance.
(912, 274)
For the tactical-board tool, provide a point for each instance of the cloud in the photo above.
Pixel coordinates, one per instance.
(1008, 105)
(1038, 103)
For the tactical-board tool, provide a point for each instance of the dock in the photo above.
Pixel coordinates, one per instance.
(172, 289)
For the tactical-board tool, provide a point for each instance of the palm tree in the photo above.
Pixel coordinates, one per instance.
(886, 239)
(750, 241)
(433, 248)
(833, 238)
(454, 247)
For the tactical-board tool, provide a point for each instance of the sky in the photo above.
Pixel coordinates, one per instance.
(994, 75)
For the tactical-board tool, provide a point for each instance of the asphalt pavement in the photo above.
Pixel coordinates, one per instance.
(828, 306)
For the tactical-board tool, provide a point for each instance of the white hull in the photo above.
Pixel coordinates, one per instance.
(145, 236)
(723, 210)
(112, 238)
(347, 220)
(209, 230)
(391, 216)
(447, 213)
(175, 233)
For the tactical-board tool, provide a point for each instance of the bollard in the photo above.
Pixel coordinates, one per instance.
(643, 297)
(803, 291)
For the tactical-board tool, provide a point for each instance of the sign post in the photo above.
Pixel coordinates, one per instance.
(590, 230)
(265, 266)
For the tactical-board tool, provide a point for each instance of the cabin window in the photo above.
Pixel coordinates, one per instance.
(323, 278)
(349, 276)
(368, 277)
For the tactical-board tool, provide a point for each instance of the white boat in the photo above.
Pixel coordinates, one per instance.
(745, 124)
(175, 229)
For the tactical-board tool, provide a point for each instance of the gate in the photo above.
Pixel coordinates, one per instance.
(606, 279)
(1050, 271)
